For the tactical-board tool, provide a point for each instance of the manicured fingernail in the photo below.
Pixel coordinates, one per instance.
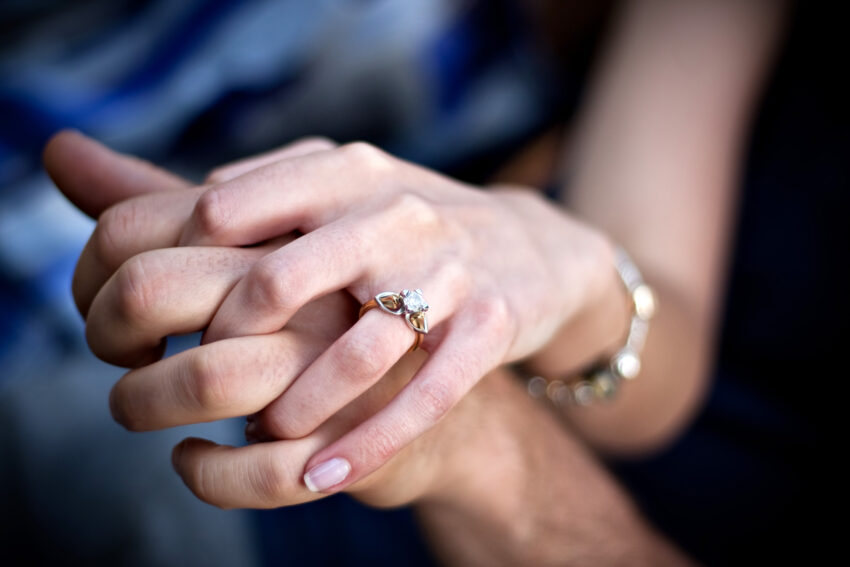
(327, 474)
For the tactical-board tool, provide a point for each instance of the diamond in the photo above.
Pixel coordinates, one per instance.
(413, 301)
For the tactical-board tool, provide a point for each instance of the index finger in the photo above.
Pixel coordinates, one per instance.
(94, 177)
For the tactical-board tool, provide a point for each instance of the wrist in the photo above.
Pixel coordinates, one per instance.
(602, 379)
(596, 330)
(583, 309)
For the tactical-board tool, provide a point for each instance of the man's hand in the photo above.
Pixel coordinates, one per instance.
(498, 482)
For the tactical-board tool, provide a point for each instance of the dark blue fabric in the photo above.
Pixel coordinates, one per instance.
(339, 531)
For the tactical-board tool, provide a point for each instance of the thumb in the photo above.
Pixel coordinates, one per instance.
(93, 177)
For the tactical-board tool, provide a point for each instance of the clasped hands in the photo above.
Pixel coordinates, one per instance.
(271, 257)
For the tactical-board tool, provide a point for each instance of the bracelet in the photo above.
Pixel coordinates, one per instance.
(601, 381)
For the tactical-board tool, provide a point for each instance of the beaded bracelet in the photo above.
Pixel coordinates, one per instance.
(601, 381)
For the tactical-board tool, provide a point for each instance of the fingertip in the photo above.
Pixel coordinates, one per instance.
(73, 160)
(55, 148)
(328, 476)
(183, 451)
(176, 455)
(114, 406)
(94, 177)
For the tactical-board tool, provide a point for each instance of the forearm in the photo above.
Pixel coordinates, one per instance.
(654, 167)
(648, 411)
(517, 489)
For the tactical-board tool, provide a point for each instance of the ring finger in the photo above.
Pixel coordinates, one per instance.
(355, 362)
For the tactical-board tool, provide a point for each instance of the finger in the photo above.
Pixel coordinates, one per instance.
(221, 380)
(160, 293)
(264, 475)
(93, 177)
(267, 475)
(342, 254)
(283, 281)
(139, 224)
(300, 193)
(357, 361)
(299, 148)
(466, 353)
(135, 225)
(105, 183)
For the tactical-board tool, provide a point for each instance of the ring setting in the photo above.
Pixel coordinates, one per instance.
(409, 303)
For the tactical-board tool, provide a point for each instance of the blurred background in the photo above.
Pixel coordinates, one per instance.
(457, 85)
(190, 85)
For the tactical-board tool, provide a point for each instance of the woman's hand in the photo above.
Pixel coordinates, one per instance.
(136, 290)
(502, 272)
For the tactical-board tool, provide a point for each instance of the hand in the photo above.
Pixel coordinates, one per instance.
(483, 225)
(477, 463)
(158, 292)
(502, 271)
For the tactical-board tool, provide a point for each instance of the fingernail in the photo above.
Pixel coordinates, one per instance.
(327, 474)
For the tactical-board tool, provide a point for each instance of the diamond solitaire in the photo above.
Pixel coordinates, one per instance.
(413, 301)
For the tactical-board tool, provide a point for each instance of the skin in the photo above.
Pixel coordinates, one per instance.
(383, 416)
(484, 254)
(654, 160)
(447, 473)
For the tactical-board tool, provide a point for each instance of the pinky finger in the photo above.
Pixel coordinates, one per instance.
(445, 378)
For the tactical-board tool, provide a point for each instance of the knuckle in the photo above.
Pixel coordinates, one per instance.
(269, 288)
(456, 275)
(212, 214)
(435, 399)
(358, 358)
(314, 143)
(413, 209)
(114, 227)
(207, 385)
(494, 313)
(366, 156)
(138, 290)
(382, 443)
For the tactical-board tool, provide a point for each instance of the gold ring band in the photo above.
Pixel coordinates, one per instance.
(372, 304)
(408, 304)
